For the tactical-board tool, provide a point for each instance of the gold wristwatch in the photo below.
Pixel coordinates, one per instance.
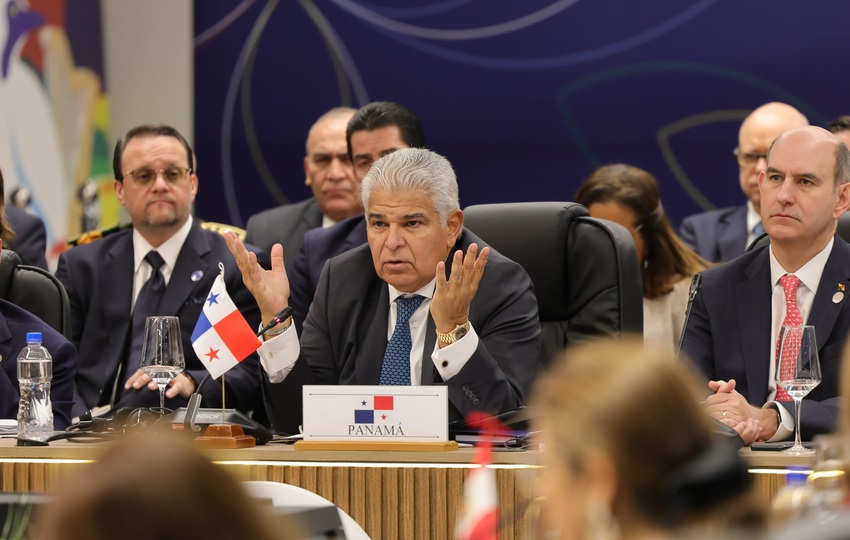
(455, 334)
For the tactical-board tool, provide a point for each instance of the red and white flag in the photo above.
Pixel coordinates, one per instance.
(222, 337)
(480, 519)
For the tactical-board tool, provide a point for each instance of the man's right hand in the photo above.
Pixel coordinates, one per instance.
(270, 288)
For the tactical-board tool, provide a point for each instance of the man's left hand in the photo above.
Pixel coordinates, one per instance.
(452, 297)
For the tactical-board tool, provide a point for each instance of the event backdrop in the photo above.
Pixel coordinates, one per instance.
(54, 114)
(525, 98)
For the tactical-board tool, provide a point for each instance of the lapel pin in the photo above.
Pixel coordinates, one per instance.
(197, 275)
(841, 287)
(837, 297)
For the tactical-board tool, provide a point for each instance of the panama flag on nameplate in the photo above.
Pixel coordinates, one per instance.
(222, 337)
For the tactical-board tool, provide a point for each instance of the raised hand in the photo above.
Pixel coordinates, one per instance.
(453, 296)
(270, 288)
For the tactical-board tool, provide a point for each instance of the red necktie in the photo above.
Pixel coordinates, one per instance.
(788, 362)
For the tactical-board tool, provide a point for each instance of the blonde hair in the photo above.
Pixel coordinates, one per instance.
(154, 485)
(641, 409)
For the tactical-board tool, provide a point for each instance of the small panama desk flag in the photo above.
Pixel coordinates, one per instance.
(222, 337)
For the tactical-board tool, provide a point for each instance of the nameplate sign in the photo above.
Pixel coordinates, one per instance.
(376, 413)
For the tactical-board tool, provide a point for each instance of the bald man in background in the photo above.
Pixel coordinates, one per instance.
(336, 193)
(721, 235)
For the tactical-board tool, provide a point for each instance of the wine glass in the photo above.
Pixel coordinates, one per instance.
(803, 374)
(162, 352)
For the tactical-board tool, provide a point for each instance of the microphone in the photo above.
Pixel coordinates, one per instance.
(194, 404)
(281, 316)
(696, 283)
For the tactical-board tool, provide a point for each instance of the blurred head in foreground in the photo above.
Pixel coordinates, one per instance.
(154, 485)
(629, 450)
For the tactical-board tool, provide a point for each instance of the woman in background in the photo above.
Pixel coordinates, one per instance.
(629, 452)
(628, 196)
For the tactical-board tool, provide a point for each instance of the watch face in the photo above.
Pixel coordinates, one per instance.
(460, 331)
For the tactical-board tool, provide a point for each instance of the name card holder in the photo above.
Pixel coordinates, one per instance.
(376, 418)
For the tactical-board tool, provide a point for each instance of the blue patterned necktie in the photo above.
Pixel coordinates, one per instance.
(758, 230)
(396, 368)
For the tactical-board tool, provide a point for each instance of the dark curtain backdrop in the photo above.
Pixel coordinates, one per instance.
(525, 98)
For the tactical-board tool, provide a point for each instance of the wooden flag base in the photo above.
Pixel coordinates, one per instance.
(389, 446)
(225, 436)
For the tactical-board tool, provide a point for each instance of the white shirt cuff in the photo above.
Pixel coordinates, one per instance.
(278, 354)
(785, 430)
(450, 359)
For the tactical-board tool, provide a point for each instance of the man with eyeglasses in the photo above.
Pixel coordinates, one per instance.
(164, 265)
(721, 235)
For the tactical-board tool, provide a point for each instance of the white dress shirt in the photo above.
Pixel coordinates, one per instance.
(809, 275)
(278, 354)
(169, 251)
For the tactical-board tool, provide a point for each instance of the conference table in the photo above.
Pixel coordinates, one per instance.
(391, 494)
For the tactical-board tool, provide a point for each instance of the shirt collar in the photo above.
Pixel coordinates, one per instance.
(169, 250)
(427, 291)
(809, 274)
(753, 217)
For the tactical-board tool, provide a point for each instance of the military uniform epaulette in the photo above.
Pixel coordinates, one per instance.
(221, 227)
(97, 234)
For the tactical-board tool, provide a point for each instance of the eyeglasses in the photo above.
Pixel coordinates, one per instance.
(144, 177)
(746, 159)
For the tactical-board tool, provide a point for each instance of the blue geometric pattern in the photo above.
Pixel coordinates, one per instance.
(396, 368)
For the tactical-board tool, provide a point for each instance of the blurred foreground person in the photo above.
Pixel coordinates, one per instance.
(629, 451)
(155, 485)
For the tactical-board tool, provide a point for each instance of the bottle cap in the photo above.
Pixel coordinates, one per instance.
(33, 337)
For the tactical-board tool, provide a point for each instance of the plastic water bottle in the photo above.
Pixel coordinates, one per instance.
(792, 499)
(35, 370)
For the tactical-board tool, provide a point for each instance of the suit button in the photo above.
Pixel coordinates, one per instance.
(476, 401)
(465, 387)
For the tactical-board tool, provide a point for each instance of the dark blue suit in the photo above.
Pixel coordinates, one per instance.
(284, 225)
(319, 246)
(99, 281)
(728, 333)
(14, 325)
(30, 240)
(718, 235)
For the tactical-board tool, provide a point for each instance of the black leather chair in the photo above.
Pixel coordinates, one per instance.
(585, 271)
(35, 290)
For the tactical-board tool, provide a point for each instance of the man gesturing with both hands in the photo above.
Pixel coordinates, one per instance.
(388, 313)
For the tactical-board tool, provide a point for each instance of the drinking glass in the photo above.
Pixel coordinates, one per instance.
(799, 342)
(162, 352)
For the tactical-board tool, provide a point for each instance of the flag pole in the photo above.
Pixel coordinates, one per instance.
(222, 398)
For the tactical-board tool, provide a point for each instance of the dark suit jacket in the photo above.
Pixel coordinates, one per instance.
(14, 325)
(99, 281)
(345, 336)
(320, 245)
(30, 240)
(728, 333)
(718, 235)
(285, 225)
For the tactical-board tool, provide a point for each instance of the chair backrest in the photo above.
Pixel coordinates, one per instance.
(35, 290)
(287, 495)
(585, 271)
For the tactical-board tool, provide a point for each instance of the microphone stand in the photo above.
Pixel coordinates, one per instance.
(194, 404)
(696, 283)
